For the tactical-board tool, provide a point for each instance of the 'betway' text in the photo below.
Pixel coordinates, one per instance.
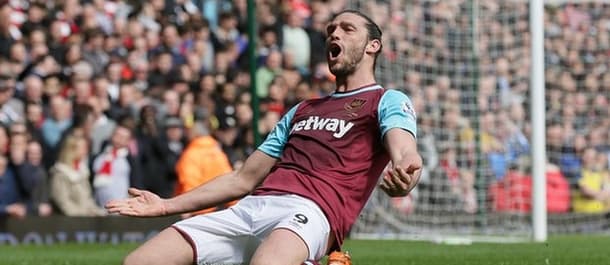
(337, 126)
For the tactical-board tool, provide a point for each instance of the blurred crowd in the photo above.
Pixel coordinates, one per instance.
(97, 96)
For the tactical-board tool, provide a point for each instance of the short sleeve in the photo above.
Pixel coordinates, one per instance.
(396, 111)
(277, 138)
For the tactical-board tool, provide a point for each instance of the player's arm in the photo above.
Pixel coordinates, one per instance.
(220, 190)
(406, 163)
(225, 188)
(397, 122)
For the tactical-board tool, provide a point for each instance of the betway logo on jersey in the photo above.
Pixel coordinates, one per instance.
(337, 126)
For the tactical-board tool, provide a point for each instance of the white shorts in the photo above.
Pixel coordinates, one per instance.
(231, 236)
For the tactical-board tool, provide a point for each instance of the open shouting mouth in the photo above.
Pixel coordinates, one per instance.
(334, 51)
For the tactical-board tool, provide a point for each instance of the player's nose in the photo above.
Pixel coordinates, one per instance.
(334, 35)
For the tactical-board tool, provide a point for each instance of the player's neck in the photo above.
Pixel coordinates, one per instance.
(354, 81)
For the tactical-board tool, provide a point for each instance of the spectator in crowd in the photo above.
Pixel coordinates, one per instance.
(73, 55)
(301, 92)
(113, 169)
(18, 146)
(18, 58)
(172, 44)
(557, 190)
(593, 195)
(570, 162)
(188, 109)
(491, 146)
(140, 74)
(93, 50)
(468, 193)
(82, 122)
(6, 38)
(33, 89)
(39, 183)
(174, 142)
(34, 117)
(11, 109)
(266, 73)
(277, 98)
(513, 193)
(43, 66)
(203, 47)
(26, 162)
(125, 104)
(150, 155)
(244, 142)
(555, 142)
(296, 42)
(11, 203)
(162, 153)
(37, 17)
(170, 105)
(71, 190)
(316, 32)
(111, 82)
(201, 161)
(101, 90)
(102, 127)
(163, 70)
(461, 181)
(57, 123)
(226, 32)
(514, 143)
(268, 43)
(80, 88)
(226, 131)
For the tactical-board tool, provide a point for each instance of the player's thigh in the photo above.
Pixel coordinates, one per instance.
(223, 237)
(297, 218)
(281, 247)
(166, 248)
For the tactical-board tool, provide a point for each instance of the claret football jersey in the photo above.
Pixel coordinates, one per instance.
(331, 150)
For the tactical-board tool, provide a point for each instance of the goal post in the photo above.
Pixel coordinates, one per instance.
(538, 109)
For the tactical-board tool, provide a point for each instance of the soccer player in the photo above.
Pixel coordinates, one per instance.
(307, 182)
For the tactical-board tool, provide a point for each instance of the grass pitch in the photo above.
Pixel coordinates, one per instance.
(559, 250)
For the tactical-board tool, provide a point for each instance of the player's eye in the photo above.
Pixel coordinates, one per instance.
(349, 28)
(330, 30)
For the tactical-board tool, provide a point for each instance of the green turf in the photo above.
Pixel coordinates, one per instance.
(562, 250)
(565, 250)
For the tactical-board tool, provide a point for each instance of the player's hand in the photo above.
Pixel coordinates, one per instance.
(141, 204)
(399, 180)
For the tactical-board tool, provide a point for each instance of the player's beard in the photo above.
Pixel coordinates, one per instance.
(349, 64)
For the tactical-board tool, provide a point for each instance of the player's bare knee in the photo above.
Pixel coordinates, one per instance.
(135, 258)
(130, 260)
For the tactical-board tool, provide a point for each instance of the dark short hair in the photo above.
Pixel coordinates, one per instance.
(373, 30)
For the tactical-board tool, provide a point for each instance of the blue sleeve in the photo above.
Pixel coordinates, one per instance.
(396, 111)
(274, 144)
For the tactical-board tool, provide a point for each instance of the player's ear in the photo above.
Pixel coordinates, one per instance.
(373, 46)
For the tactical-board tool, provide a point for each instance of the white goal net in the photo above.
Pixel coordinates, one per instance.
(466, 66)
